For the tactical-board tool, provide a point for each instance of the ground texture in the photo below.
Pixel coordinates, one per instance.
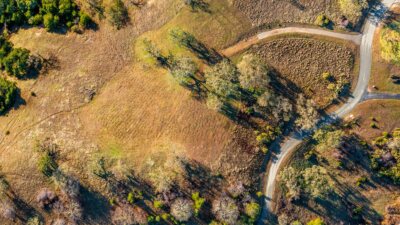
(302, 62)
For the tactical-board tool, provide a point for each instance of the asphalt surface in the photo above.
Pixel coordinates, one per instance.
(359, 94)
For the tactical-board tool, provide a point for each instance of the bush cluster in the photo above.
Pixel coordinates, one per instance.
(49, 13)
(15, 61)
(386, 156)
(8, 93)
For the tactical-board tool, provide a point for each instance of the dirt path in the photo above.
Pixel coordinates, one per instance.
(243, 45)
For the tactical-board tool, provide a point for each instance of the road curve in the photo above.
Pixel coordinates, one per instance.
(243, 45)
(290, 144)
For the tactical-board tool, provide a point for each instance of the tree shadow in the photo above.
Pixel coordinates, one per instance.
(297, 4)
(96, 206)
(18, 102)
(201, 178)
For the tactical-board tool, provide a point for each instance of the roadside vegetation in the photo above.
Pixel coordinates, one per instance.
(350, 163)
(386, 68)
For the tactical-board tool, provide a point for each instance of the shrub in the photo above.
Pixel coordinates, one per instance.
(331, 87)
(198, 202)
(50, 21)
(157, 204)
(8, 93)
(36, 20)
(118, 14)
(358, 210)
(322, 21)
(253, 210)
(327, 76)
(84, 20)
(361, 180)
(317, 221)
(16, 62)
(34, 221)
(373, 125)
(47, 164)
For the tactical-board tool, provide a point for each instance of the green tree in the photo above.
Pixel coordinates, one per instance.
(390, 42)
(316, 181)
(50, 21)
(118, 12)
(253, 73)
(84, 20)
(5, 48)
(353, 8)
(8, 93)
(184, 70)
(222, 79)
(16, 62)
(328, 139)
(322, 21)
(292, 180)
(308, 115)
(252, 209)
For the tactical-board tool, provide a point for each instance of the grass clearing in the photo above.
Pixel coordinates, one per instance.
(218, 29)
(385, 113)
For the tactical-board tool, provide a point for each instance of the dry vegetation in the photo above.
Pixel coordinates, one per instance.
(288, 11)
(302, 62)
(386, 114)
(97, 100)
(363, 196)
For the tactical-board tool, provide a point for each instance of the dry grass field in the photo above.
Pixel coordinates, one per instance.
(301, 61)
(385, 112)
(139, 116)
(275, 12)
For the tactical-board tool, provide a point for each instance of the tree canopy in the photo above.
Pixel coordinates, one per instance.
(390, 42)
(8, 93)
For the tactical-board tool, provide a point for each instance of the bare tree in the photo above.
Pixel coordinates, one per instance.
(225, 210)
(182, 209)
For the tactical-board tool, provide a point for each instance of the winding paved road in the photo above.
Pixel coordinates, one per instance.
(360, 93)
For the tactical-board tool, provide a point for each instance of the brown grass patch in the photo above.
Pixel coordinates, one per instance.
(385, 113)
(276, 12)
(302, 61)
(147, 113)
